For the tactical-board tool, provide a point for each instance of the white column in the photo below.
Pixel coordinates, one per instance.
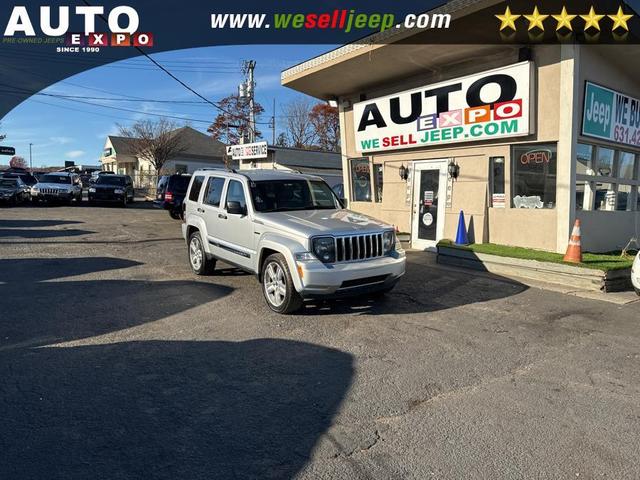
(567, 143)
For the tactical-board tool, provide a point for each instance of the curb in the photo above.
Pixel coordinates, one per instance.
(565, 275)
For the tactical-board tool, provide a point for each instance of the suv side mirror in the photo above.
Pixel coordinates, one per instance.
(234, 208)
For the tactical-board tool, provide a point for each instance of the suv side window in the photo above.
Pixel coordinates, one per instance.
(214, 191)
(196, 186)
(235, 193)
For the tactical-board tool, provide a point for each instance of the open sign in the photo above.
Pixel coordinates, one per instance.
(540, 156)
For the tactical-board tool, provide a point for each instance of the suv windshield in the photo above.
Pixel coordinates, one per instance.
(288, 195)
(110, 180)
(65, 179)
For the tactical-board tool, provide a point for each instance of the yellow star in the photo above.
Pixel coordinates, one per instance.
(507, 20)
(536, 19)
(564, 19)
(591, 20)
(620, 19)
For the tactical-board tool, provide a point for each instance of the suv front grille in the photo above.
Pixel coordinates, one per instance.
(358, 247)
(50, 191)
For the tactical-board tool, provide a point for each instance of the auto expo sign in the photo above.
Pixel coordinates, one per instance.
(484, 106)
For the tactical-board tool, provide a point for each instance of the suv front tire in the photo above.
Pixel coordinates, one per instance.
(277, 285)
(200, 263)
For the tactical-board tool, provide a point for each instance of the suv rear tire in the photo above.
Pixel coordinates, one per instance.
(200, 263)
(277, 285)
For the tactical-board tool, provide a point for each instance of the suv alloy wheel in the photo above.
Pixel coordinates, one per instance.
(200, 264)
(277, 285)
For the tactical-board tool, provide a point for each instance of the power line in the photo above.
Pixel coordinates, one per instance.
(157, 114)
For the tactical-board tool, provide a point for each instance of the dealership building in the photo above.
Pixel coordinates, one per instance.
(523, 139)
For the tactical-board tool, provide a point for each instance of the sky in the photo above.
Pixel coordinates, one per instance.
(61, 129)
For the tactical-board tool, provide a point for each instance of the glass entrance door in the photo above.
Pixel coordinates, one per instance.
(428, 203)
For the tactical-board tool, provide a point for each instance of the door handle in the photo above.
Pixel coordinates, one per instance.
(200, 210)
(222, 216)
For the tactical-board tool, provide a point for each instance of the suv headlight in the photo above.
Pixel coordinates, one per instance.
(388, 241)
(118, 191)
(324, 248)
(92, 190)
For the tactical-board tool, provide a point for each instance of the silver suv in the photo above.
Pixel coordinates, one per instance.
(291, 231)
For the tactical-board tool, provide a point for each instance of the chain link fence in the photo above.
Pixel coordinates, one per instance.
(145, 184)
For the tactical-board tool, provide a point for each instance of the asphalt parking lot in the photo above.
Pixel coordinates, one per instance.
(116, 362)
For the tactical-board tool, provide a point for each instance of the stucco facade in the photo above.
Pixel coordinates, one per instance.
(556, 101)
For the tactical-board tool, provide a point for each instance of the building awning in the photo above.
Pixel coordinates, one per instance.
(386, 56)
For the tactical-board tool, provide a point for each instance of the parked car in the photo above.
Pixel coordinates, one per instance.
(170, 193)
(28, 178)
(57, 186)
(98, 173)
(635, 274)
(112, 188)
(13, 191)
(291, 232)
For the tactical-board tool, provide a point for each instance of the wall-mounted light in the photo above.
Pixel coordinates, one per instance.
(403, 172)
(453, 169)
(333, 102)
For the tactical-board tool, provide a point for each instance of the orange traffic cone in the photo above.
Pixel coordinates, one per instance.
(574, 249)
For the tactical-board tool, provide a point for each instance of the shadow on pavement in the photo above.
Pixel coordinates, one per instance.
(167, 410)
(37, 311)
(40, 233)
(35, 223)
(424, 288)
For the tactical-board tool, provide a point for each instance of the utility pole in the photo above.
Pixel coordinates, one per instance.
(246, 92)
(251, 91)
(273, 124)
(30, 159)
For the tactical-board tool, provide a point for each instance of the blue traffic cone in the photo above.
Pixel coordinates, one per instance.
(461, 235)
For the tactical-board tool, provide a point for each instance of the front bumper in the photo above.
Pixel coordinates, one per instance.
(116, 197)
(350, 278)
(52, 196)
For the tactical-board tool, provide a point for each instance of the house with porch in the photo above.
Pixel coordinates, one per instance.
(200, 151)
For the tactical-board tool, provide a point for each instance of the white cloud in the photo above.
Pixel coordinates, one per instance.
(61, 140)
(75, 153)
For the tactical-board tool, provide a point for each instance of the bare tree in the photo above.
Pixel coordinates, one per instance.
(156, 141)
(299, 129)
(282, 140)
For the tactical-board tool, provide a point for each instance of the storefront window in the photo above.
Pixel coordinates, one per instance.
(626, 164)
(605, 197)
(534, 176)
(604, 162)
(583, 156)
(378, 169)
(616, 194)
(583, 194)
(624, 198)
(360, 180)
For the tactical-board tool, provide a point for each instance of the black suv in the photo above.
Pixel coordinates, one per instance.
(20, 173)
(112, 188)
(170, 193)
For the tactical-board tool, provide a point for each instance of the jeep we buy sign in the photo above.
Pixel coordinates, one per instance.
(483, 106)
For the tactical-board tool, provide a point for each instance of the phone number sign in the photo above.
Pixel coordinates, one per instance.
(611, 115)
